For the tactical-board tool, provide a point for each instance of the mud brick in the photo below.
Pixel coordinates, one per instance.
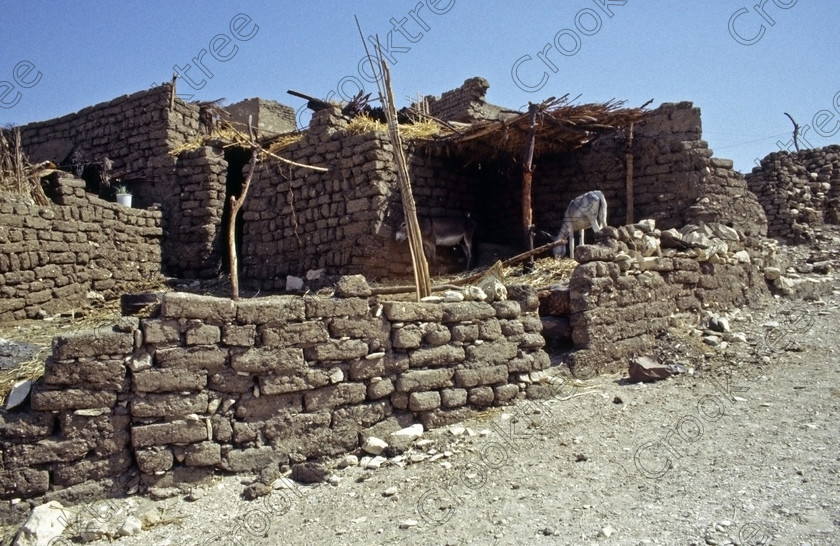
(23, 482)
(526, 296)
(424, 401)
(102, 374)
(508, 309)
(481, 376)
(380, 389)
(490, 329)
(436, 356)
(168, 405)
(268, 359)
(366, 369)
(283, 383)
(424, 380)
(251, 460)
(69, 399)
(452, 398)
(203, 454)
(317, 307)
(228, 380)
(409, 336)
(358, 328)
(334, 395)
(102, 341)
(481, 396)
(270, 310)
(532, 341)
(175, 432)
(505, 393)
(154, 459)
(48, 451)
(169, 380)
(349, 286)
(441, 418)
(466, 333)
(239, 336)
(78, 472)
(337, 350)
(467, 310)
(511, 328)
(193, 306)
(210, 358)
(250, 408)
(297, 334)
(400, 311)
(491, 353)
(309, 434)
(26, 426)
(202, 334)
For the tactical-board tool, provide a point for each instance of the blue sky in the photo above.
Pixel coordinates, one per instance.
(57, 59)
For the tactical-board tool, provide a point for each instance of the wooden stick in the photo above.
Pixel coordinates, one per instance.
(628, 157)
(235, 205)
(527, 178)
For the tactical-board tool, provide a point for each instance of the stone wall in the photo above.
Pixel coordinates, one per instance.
(136, 132)
(799, 191)
(210, 383)
(51, 257)
(628, 287)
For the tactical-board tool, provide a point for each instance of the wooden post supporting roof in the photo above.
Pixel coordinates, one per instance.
(527, 179)
(628, 157)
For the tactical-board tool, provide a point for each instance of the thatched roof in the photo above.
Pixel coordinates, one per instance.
(560, 127)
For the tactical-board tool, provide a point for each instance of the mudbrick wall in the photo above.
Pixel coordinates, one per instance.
(630, 285)
(799, 191)
(676, 180)
(51, 257)
(210, 383)
(137, 132)
(464, 104)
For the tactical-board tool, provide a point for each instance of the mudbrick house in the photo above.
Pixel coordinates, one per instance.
(206, 383)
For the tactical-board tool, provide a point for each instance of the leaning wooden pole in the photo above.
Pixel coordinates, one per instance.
(628, 158)
(415, 240)
(235, 205)
(527, 179)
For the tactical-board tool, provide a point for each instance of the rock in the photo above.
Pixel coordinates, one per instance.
(131, 526)
(257, 490)
(348, 460)
(293, 284)
(412, 432)
(18, 394)
(375, 462)
(712, 341)
(772, 273)
(495, 290)
(719, 324)
(643, 368)
(45, 523)
(390, 492)
(314, 274)
(607, 531)
(742, 256)
(453, 296)
(408, 523)
(374, 445)
(736, 336)
(309, 473)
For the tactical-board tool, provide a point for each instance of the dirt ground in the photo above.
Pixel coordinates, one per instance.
(741, 447)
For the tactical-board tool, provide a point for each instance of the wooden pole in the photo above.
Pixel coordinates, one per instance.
(415, 239)
(235, 205)
(527, 179)
(628, 158)
(795, 131)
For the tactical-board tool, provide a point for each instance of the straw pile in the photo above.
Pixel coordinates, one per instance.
(17, 175)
